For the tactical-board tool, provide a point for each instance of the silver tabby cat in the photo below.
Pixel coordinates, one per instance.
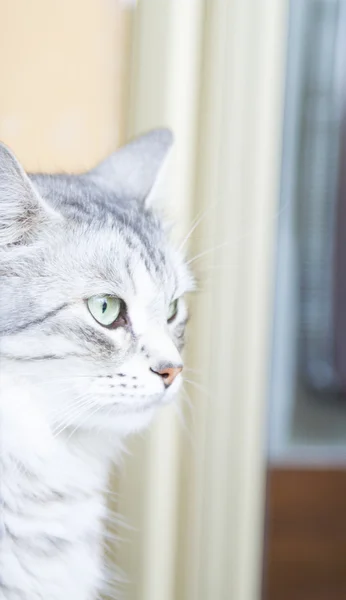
(92, 321)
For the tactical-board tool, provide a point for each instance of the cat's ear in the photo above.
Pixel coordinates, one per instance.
(21, 208)
(134, 170)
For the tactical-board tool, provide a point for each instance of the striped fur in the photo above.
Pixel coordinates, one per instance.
(70, 389)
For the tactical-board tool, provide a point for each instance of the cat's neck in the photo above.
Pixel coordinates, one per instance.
(37, 465)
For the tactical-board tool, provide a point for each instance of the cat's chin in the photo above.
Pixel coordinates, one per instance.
(126, 424)
(140, 417)
(123, 424)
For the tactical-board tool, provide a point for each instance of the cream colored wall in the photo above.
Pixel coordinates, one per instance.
(62, 71)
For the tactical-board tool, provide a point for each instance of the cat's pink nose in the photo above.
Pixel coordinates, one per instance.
(168, 374)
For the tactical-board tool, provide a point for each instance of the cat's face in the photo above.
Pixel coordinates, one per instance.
(92, 300)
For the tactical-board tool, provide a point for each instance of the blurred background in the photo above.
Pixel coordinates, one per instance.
(238, 491)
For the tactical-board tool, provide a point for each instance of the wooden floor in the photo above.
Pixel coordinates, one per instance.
(305, 545)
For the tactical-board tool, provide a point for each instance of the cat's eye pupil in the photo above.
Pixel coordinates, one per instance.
(104, 306)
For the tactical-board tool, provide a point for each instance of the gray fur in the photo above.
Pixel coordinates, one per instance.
(70, 389)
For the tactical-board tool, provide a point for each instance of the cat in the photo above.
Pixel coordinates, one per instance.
(92, 321)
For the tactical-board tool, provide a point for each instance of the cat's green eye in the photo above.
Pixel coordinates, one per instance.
(172, 310)
(105, 309)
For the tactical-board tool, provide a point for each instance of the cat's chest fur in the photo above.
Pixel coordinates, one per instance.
(52, 508)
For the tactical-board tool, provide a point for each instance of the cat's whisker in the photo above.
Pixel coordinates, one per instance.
(66, 418)
(187, 398)
(83, 421)
(205, 252)
(215, 267)
(109, 412)
(198, 386)
(70, 411)
(190, 407)
(180, 415)
(59, 416)
(246, 234)
(65, 426)
(196, 371)
(75, 403)
(60, 393)
(195, 223)
(191, 415)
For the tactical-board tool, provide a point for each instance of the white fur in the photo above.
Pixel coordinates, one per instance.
(33, 464)
(39, 437)
(71, 390)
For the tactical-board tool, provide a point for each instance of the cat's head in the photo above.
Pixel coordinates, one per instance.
(92, 310)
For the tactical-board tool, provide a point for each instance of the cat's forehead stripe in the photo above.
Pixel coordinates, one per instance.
(100, 209)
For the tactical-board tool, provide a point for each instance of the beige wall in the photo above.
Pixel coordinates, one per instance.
(62, 69)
